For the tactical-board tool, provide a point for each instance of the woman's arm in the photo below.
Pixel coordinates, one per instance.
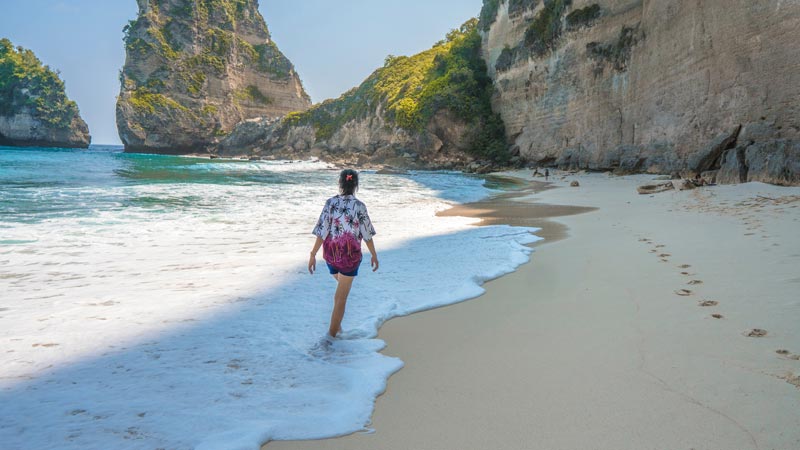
(312, 261)
(374, 263)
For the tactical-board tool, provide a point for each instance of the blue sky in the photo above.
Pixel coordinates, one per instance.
(334, 44)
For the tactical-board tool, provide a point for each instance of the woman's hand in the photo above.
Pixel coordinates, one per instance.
(312, 260)
(371, 246)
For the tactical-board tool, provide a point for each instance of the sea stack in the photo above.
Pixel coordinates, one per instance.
(196, 69)
(34, 108)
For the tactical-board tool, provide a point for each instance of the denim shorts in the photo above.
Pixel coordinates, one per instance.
(347, 274)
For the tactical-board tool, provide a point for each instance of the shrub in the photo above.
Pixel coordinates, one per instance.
(617, 53)
(251, 94)
(505, 60)
(488, 14)
(145, 101)
(544, 31)
(516, 7)
(269, 59)
(583, 17)
(26, 83)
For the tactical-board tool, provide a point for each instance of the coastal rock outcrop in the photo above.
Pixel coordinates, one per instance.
(34, 108)
(430, 110)
(196, 69)
(650, 86)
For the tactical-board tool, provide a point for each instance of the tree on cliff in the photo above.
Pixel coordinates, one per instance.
(31, 88)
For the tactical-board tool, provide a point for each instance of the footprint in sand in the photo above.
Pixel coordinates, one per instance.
(686, 273)
(683, 292)
(50, 344)
(653, 251)
(693, 282)
(749, 234)
(664, 255)
(684, 266)
(788, 355)
(660, 246)
(717, 316)
(706, 303)
(756, 332)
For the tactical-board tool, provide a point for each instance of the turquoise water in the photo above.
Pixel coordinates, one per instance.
(45, 183)
(49, 183)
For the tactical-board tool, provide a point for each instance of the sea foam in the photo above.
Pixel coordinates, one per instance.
(181, 315)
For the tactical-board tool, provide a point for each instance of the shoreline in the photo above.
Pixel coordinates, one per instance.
(607, 340)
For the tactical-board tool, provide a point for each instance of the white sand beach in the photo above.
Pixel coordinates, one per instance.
(636, 331)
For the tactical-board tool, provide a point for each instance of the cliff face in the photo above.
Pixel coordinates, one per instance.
(372, 140)
(195, 69)
(650, 85)
(430, 110)
(34, 109)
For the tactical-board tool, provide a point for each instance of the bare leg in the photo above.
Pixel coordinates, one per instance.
(339, 303)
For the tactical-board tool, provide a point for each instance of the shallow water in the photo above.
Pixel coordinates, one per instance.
(158, 301)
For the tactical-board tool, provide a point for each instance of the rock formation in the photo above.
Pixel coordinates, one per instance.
(197, 68)
(430, 110)
(665, 86)
(34, 109)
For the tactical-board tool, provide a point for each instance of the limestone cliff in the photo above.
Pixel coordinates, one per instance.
(197, 68)
(650, 85)
(430, 110)
(34, 108)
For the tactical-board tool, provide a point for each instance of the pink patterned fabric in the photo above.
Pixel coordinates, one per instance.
(342, 253)
(343, 223)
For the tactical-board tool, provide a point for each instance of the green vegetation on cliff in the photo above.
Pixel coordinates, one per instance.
(488, 14)
(25, 83)
(451, 76)
(187, 42)
(616, 53)
(515, 7)
(583, 17)
(544, 31)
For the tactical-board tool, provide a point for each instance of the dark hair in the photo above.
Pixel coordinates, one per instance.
(348, 182)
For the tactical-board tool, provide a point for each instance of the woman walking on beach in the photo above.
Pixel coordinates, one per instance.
(344, 222)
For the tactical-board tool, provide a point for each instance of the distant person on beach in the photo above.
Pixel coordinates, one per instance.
(546, 174)
(344, 222)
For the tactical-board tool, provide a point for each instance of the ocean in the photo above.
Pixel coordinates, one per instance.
(164, 302)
